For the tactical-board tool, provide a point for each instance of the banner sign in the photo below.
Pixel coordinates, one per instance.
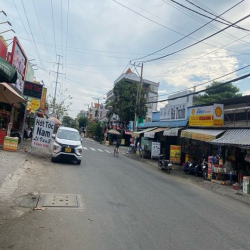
(171, 132)
(207, 116)
(156, 149)
(43, 99)
(173, 112)
(43, 131)
(175, 153)
(33, 90)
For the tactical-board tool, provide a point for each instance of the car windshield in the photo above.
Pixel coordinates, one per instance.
(68, 135)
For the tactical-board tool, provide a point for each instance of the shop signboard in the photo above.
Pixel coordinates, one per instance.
(3, 48)
(35, 104)
(173, 112)
(43, 131)
(207, 116)
(29, 75)
(156, 149)
(33, 90)
(43, 99)
(171, 132)
(175, 153)
(17, 58)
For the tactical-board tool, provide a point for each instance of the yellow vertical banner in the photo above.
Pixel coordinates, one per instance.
(175, 153)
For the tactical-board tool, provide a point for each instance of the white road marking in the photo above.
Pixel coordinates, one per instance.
(100, 150)
(107, 151)
(84, 148)
(92, 149)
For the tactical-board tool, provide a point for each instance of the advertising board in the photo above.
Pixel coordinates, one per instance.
(18, 58)
(173, 112)
(32, 90)
(3, 48)
(207, 116)
(156, 149)
(43, 131)
(43, 99)
(175, 153)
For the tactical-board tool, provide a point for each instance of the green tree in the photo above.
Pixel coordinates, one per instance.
(218, 93)
(59, 108)
(124, 103)
(82, 122)
(67, 120)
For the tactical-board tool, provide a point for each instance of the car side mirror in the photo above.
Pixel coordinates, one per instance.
(54, 136)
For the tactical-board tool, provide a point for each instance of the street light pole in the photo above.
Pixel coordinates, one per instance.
(138, 97)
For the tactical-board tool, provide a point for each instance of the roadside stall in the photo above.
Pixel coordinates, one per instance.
(9, 96)
(233, 158)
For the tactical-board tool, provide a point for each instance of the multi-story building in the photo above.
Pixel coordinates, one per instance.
(82, 113)
(93, 111)
(150, 87)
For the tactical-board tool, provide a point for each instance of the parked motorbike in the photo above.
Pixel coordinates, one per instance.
(198, 171)
(189, 167)
(204, 170)
(28, 133)
(164, 165)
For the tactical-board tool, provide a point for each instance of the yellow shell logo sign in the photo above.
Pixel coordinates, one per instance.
(193, 111)
(218, 111)
(35, 104)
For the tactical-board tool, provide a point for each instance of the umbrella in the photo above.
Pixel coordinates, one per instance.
(7, 72)
(114, 132)
(9, 95)
(57, 122)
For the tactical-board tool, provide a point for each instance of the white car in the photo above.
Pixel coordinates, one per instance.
(67, 145)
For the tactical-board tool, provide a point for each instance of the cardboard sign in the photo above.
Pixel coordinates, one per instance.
(34, 90)
(42, 133)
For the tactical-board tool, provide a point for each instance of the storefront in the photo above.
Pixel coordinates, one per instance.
(234, 147)
(195, 143)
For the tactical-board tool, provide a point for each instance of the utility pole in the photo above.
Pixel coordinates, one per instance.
(138, 97)
(57, 74)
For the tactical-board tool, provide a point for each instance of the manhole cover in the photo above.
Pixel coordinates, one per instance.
(62, 200)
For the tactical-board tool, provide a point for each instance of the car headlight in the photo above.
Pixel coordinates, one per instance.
(78, 150)
(56, 147)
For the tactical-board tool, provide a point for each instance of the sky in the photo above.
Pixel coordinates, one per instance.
(96, 40)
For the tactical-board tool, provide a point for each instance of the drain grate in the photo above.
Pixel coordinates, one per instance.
(62, 200)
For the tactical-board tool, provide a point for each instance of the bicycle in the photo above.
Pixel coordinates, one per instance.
(116, 152)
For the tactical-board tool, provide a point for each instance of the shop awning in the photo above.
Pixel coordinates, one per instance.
(9, 95)
(151, 134)
(234, 137)
(137, 134)
(7, 72)
(201, 134)
(171, 132)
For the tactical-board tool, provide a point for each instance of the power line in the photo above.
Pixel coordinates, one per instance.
(53, 25)
(203, 90)
(213, 80)
(201, 20)
(212, 13)
(186, 35)
(183, 6)
(41, 31)
(166, 26)
(198, 41)
(202, 56)
(34, 45)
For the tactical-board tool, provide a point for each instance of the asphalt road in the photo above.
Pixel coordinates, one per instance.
(127, 205)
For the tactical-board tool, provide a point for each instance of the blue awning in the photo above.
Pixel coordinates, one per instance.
(165, 124)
